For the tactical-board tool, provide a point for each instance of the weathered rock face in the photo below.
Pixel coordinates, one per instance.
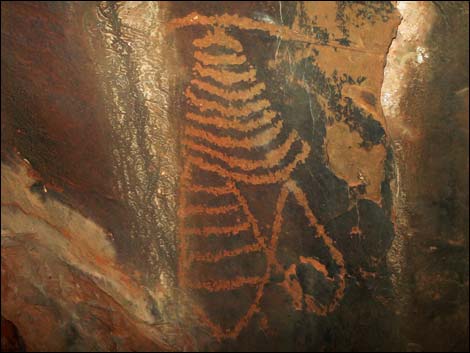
(221, 176)
(425, 99)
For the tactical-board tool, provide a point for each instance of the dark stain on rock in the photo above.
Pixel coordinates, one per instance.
(11, 338)
(369, 98)
(370, 129)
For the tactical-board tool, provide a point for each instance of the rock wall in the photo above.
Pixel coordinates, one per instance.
(234, 176)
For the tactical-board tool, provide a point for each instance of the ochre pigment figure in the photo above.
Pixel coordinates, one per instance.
(232, 137)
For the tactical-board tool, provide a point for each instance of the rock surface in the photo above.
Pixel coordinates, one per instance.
(222, 176)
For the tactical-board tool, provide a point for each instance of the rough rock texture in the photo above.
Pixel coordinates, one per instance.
(425, 99)
(221, 176)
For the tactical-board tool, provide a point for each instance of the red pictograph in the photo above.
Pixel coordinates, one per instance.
(233, 136)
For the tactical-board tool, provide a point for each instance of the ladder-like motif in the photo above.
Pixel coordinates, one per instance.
(232, 136)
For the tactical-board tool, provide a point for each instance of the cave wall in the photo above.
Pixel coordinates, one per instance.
(234, 176)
